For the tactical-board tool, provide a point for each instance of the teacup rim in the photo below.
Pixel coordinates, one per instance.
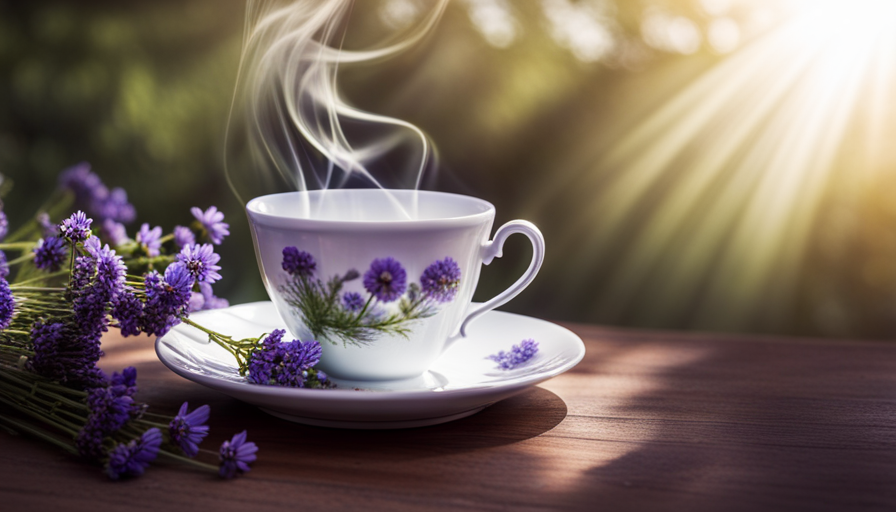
(255, 214)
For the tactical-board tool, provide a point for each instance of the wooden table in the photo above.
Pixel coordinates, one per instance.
(648, 421)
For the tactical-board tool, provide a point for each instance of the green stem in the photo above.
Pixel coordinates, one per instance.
(40, 278)
(36, 415)
(39, 434)
(21, 259)
(13, 246)
(364, 309)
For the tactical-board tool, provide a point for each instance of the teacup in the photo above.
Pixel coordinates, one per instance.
(383, 279)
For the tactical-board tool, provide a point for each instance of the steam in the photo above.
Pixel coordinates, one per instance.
(288, 103)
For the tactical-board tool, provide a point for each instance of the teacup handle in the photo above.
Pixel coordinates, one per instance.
(493, 249)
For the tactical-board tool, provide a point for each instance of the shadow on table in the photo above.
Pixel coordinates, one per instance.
(515, 419)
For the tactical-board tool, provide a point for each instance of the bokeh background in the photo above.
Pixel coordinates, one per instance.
(716, 165)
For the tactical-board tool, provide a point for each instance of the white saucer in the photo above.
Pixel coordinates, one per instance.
(462, 382)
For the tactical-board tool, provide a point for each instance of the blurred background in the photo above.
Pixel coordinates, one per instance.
(716, 165)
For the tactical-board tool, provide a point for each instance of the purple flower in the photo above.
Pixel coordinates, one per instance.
(92, 194)
(353, 301)
(110, 269)
(205, 299)
(80, 180)
(166, 300)
(188, 430)
(50, 253)
(183, 236)
(298, 263)
(518, 355)
(7, 304)
(46, 226)
(439, 281)
(4, 265)
(111, 406)
(128, 310)
(133, 458)
(113, 205)
(77, 227)
(211, 221)
(150, 239)
(197, 302)
(280, 363)
(210, 301)
(236, 455)
(4, 225)
(96, 279)
(114, 232)
(386, 279)
(65, 355)
(200, 261)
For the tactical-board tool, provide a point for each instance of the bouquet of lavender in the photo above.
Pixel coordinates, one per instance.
(73, 280)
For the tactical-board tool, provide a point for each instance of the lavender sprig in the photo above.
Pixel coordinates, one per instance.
(516, 356)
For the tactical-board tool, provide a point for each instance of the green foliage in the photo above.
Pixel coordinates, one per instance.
(328, 320)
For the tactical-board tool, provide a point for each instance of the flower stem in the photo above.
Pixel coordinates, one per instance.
(21, 259)
(14, 246)
(40, 278)
(39, 434)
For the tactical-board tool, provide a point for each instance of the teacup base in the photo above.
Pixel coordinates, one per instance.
(432, 381)
(371, 425)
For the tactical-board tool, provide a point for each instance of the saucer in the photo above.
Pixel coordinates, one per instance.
(462, 382)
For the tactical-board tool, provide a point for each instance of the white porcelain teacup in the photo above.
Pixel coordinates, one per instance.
(382, 279)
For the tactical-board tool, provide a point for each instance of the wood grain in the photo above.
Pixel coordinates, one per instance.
(647, 421)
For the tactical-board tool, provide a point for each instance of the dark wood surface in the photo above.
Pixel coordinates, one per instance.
(648, 421)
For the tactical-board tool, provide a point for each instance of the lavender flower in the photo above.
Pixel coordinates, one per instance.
(4, 266)
(7, 304)
(4, 225)
(298, 263)
(46, 225)
(50, 253)
(196, 303)
(183, 236)
(188, 430)
(517, 355)
(166, 300)
(353, 301)
(133, 458)
(90, 192)
(80, 180)
(110, 269)
(236, 455)
(114, 232)
(386, 279)
(205, 299)
(96, 280)
(280, 363)
(200, 261)
(113, 205)
(111, 406)
(212, 223)
(210, 301)
(77, 227)
(150, 239)
(440, 280)
(128, 310)
(65, 355)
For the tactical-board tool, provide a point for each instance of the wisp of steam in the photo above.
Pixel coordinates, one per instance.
(299, 132)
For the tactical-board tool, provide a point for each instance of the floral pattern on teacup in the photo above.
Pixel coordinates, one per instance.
(391, 303)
